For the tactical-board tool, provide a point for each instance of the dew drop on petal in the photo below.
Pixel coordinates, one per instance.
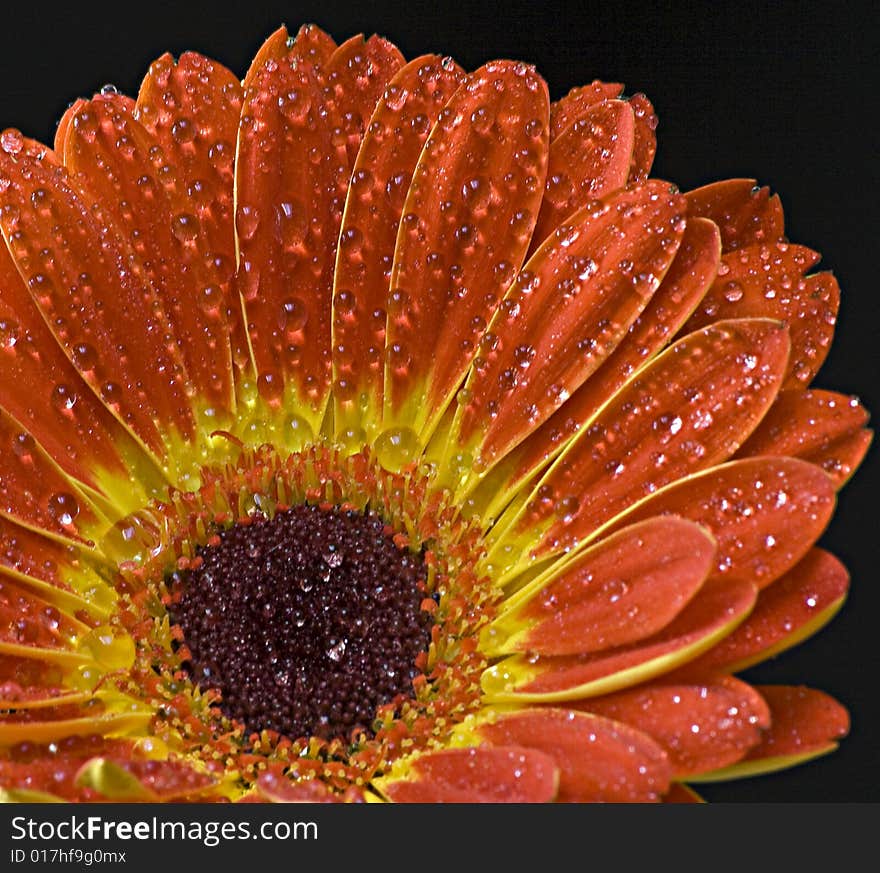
(63, 507)
(397, 447)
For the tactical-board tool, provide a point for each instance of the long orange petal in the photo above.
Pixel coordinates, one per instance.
(822, 427)
(466, 226)
(719, 607)
(702, 726)
(625, 588)
(599, 760)
(767, 281)
(41, 389)
(566, 312)
(114, 156)
(804, 724)
(53, 773)
(192, 109)
(35, 492)
(119, 779)
(379, 183)
(313, 45)
(274, 48)
(486, 774)
(787, 612)
(745, 214)
(685, 283)
(588, 160)
(803, 719)
(568, 109)
(688, 410)
(84, 277)
(26, 619)
(291, 175)
(356, 76)
(765, 513)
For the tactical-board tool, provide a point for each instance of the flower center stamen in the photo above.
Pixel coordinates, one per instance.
(306, 622)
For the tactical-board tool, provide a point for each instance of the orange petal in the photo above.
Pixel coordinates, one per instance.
(803, 720)
(291, 175)
(645, 145)
(568, 309)
(599, 760)
(313, 45)
(65, 123)
(564, 112)
(380, 179)
(702, 726)
(625, 588)
(167, 781)
(745, 214)
(787, 612)
(16, 696)
(280, 789)
(28, 620)
(767, 281)
(30, 679)
(192, 109)
(822, 427)
(804, 724)
(691, 272)
(36, 769)
(466, 226)
(765, 513)
(840, 459)
(274, 48)
(84, 277)
(41, 389)
(488, 774)
(717, 609)
(689, 409)
(356, 74)
(679, 793)
(588, 160)
(35, 492)
(47, 725)
(113, 156)
(27, 554)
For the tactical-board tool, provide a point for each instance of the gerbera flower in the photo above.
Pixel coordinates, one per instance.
(380, 430)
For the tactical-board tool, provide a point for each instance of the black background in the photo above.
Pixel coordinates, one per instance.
(771, 92)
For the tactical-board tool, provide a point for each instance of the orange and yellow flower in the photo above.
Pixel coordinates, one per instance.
(377, 430)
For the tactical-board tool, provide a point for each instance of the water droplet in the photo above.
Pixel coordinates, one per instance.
(476, 193)
(293, 315)
(185, 226)
(85, 357)
(297, 433)
(566, 509)
(247, 221)
(336, 653)
(111, 649)
(271, 387)
(295, 106)
(294, 220)
(397, 447)
(182, 130)
(11, 141)
(23, 446)
(9, 333)
(63, 507)
(733, 292)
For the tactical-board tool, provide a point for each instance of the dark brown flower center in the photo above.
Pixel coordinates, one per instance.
(306, 622)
